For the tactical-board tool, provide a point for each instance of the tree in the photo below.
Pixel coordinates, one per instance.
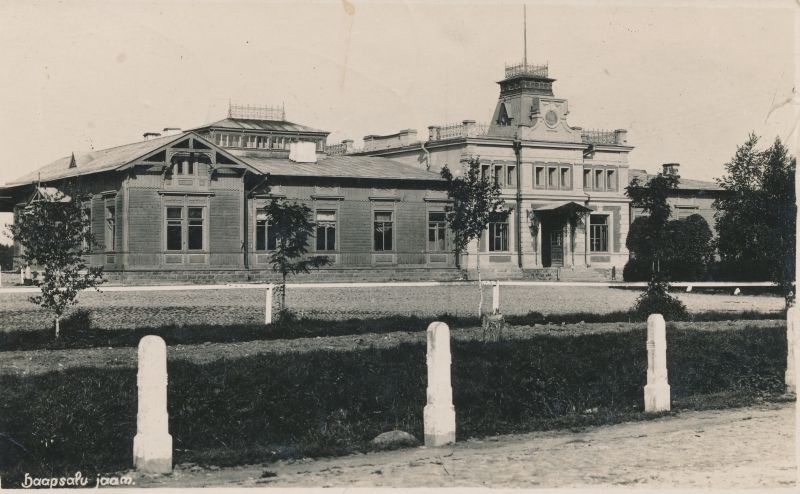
(689, 250)
(475, 198)
(651, 232)
(756, 218)
(292, 228)
(55, 235)
(6, 257)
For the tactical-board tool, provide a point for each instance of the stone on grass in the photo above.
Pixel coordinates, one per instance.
(152, 445)
(439, 415)
(656, 392)
(394, 440)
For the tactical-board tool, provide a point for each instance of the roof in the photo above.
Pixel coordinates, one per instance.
(341, 167)
(94, 161)
(683, 183)
(563, 205)
(262, 125)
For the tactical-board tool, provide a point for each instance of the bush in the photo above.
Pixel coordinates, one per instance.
(657, 300)
(636, 269)
(255, 409)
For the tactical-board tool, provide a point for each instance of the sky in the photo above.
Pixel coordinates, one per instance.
(689, 80)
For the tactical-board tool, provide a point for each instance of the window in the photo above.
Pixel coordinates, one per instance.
(598, 179)
(511, 175)
(598, 235)
(195, 228)
(587, 179)
(185, 223)
(437, 231)
(498, 176)
(498, 232)
(538, 176)
(265, 234)
(485, 172)
(565, 178)
(87, 216)
(552, 178)
(326, 230)
(111, 227)
(611, 180)
(175, 228)
(383, 230)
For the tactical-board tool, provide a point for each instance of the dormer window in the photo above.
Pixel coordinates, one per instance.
(502, 117)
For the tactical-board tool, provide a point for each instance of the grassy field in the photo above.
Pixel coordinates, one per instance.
(115, 310)
(243, 406)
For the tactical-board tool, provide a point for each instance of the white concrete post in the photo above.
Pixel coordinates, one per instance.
(791, 336)
(689, 289)
(439, 416)
(737, 292)
(21, 276)
(152, 445)
(496, 298)
(656, 392)
(268, 305)
(28, 275)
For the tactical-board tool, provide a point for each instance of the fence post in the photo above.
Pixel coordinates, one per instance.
(152, 445)
(791, 335)
(439, 417)
(268, 305)
(656, 392)
(496, 298)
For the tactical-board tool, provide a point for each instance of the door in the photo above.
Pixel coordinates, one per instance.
(556, 247)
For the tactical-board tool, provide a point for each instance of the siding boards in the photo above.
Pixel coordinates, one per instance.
(145, 222)
(224, 229)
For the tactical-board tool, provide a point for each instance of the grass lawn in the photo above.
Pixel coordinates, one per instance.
(231, 403)
(126, 310)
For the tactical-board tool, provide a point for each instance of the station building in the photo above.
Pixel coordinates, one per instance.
(566, 212)
(188, 205)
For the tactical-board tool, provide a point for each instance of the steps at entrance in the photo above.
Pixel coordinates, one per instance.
(587, 274)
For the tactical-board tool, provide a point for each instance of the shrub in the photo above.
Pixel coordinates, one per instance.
(657, 300)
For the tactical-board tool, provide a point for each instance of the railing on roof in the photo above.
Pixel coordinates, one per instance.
(526, 69)
(256, 112)
(599, 136)
(342, 149)
(467, 128)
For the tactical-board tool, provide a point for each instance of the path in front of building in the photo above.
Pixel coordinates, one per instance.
(736, 448)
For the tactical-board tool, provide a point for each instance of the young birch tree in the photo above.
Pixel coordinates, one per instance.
(475, 197)
(56, 236)
(292, 227)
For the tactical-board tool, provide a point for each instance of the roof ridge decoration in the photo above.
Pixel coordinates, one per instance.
(257, 112)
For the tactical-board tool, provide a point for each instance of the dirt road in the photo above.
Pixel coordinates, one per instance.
(738, 448)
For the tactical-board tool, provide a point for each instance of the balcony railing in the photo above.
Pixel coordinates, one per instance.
(526, 69)
(467, 128)
(599, 137)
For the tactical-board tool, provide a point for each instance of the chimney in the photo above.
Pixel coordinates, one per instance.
(150, 135)
(671, 169)
(171, 131)
(348, 146)
(620, 136)
(469, 128)
(303, 152)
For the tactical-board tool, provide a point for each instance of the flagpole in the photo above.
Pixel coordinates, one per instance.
(525, 34)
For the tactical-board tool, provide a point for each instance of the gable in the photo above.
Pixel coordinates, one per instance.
(193, 147)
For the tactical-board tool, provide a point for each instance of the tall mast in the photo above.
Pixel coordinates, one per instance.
(525, 34)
